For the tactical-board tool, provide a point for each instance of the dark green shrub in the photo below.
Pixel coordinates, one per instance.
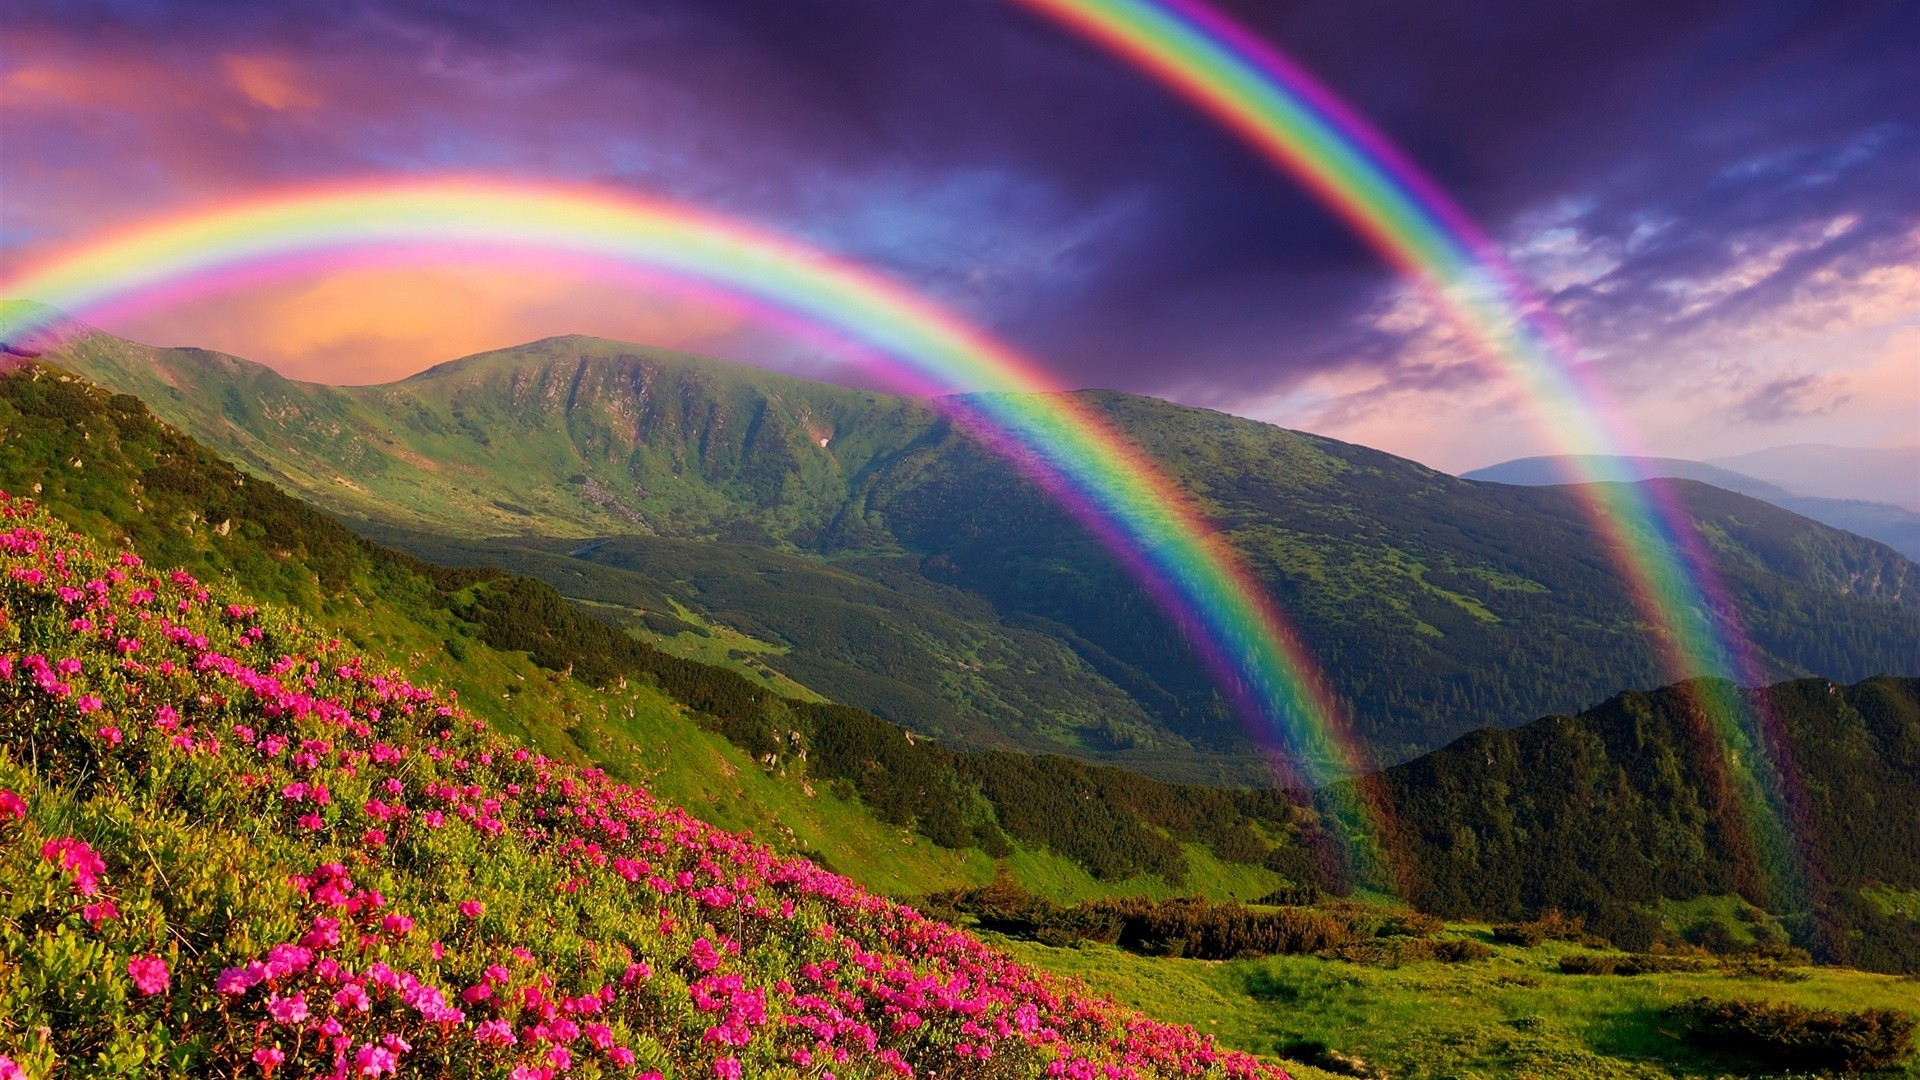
(1192, 927)
(1588, 964)
(1396, 951)
(1293, 896)
(1552, 925)
(1794, 1037)
(1526, 934)
(1630, 964)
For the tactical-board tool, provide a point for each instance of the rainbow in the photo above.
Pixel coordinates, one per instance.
(1298, 124)
(1160, 535)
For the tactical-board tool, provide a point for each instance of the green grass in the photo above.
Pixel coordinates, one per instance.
(710, 643)
(1904, 903)
(1513, 1015)
(1731, 917)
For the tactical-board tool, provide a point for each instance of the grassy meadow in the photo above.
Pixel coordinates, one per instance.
(1513, 1014)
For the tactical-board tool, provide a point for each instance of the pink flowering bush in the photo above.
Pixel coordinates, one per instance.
(229, 847)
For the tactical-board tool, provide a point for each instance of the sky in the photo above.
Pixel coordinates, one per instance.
(1720, 200)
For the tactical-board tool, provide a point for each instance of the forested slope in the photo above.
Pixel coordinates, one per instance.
(1603, 813)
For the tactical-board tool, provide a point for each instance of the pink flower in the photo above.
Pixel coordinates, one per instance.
(12, 806)
(472, 909)
(397, 925)
(324, 935)
(239, 980)
(111, 735)
(101, 912)
(375, 1061)
(498, 1032)
(81, 860)
(269, 1058)
(727, 1068)
(705, 956)
(149, 974)
(287, 1010)
(10, 1071)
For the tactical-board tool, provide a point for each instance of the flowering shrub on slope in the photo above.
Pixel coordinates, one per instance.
(229, 848)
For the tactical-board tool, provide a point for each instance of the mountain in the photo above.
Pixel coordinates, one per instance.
(1872, 474)
(1895, 526)
(1437, 605)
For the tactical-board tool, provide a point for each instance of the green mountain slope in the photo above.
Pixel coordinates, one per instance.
(1602, 813)
(838, 784)
(1438, 605)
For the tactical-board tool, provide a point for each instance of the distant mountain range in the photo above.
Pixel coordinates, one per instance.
(858, 545)
(1797, 471)
(1871, 474)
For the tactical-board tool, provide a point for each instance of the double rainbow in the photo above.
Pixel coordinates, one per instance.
(1272, 104)
(1286, 115)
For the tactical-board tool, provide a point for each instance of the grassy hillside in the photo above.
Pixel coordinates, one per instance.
(1438, 605)
(1514, 1013)
(834, 783)
(231, 844)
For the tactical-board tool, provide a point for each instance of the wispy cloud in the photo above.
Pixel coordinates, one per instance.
(1792, 398)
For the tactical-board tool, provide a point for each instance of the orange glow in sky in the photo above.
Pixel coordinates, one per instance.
(379, 324)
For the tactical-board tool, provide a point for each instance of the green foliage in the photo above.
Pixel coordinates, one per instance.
(1513, 1014)
(1781, 1035)
(231, 845)
(1601, 815)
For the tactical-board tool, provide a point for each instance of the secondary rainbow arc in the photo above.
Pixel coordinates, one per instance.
(1159, 534)
(1301, 126)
